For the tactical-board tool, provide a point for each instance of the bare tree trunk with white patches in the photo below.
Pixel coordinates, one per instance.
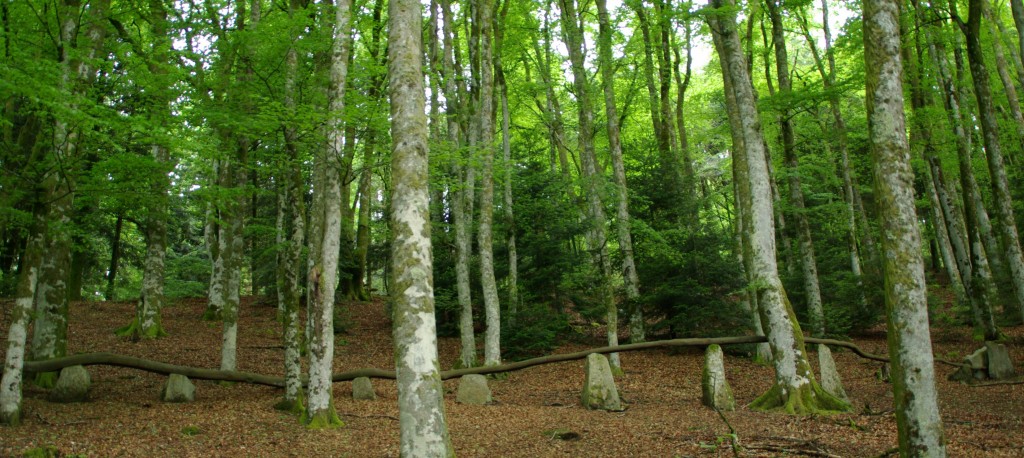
(795, 389)
(506, 149)
(422, 426)
(21, 317)
(323, 274)
(913, 372)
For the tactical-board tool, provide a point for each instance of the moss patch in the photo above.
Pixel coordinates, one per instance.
(322, 420)
(808, 399)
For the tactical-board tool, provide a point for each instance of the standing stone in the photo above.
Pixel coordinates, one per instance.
(715, 391)
(72, 385)
(362, 389)
(599, 392)
(178, 388)
(473, 390)
(974, 368)
(830, 381)
(1000, 366)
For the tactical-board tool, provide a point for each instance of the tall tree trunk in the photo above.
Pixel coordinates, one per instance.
(462, 206)
(913, 373)
(993, 150)
(49, 338)
(492, 308)
(422, 426)
(323, 274)
(506, 149)
(741, 191)
(21, 317)
(597, 239)
(632, 282)
(795, 389)
(808, 265)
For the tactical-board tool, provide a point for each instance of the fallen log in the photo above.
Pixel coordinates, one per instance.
(148, 365)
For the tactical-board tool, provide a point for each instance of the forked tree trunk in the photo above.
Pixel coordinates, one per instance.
(795, 389)
(422, 427)
(913, 372)
(323, 275)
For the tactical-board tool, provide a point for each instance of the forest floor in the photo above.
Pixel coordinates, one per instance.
(664, 416)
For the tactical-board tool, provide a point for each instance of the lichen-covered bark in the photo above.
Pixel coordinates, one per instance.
(485, 115)
(323, 275)
(913, 373)
(423, 430)
(993, 150)
(805, 244)
(630, 278)
(592, 179)
(17, 334)
(291, 229)
(795, 389)
(512, 279)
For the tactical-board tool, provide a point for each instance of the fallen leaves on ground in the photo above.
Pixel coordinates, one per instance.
(536, 411)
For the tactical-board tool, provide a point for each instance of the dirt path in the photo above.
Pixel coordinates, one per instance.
(664, 416)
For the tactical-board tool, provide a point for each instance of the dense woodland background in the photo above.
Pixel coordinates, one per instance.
(581, 164)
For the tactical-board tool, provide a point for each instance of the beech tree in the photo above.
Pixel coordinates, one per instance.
(913, 374)
(421, 417)
(795, 389)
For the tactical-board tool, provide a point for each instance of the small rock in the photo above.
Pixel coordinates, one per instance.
(1000, 366)
(72, 385)
(178, 388)
(473, 390)
(599, 392)
(715, 391)
(830, 381)
(362, 389)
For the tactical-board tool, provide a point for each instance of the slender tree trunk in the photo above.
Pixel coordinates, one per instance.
(808, 265)
(462, 205)
(993, 151)
(422, 426)
(795, 389)
(632, 282)
(21, 317)
(492, 307)
(115, 259)
(323, 275)
(597, 239)
(913, 373)
(506, 149)
(741, 191)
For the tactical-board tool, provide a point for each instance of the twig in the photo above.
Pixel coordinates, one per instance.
(772, 448)
(389, 417)
(890, 452)
(733, 437)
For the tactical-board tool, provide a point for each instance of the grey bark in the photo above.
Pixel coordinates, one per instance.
(422, 426)
(913, 372)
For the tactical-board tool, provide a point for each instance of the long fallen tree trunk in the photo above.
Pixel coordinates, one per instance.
(148, 365)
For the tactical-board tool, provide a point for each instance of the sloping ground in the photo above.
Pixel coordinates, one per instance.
(664, 416)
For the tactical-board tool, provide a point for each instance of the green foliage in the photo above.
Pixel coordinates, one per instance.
(690, 280)
(537, 330)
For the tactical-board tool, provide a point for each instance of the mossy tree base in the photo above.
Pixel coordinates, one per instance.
(136, 332)
(806, 400)
(12, 419)
(211, 314)
(46, 380)
(295, 407)
(324, 419)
